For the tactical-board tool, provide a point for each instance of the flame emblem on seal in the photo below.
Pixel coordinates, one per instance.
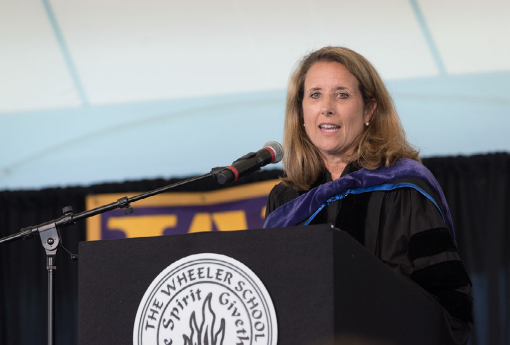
(205, 334)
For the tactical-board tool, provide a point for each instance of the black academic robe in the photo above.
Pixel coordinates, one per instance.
(407, 232)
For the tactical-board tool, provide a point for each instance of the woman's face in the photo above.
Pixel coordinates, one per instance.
(333, 109)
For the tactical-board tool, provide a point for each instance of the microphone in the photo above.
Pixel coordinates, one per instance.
(251, 162)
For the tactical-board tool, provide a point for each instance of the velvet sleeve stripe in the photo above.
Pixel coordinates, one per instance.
(430, 242)
(442, 276)
(458, 304)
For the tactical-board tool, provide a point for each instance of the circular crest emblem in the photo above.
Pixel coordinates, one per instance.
(206, 299)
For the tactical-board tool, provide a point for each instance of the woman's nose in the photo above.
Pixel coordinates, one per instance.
(327, 105)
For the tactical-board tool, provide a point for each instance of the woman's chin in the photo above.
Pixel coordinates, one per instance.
(331, 151)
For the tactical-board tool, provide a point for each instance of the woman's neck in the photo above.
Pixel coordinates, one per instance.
(335, 166)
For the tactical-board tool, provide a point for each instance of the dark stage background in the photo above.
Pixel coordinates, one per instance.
(477, 189)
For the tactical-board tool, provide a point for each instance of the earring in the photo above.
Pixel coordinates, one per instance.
(304, 125)
(366, 124)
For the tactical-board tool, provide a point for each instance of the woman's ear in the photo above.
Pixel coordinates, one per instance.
(370, 110)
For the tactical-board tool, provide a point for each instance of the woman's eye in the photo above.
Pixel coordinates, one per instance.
(315, 95)
(342, 95)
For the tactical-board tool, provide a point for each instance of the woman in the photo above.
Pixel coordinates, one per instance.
(347, 163)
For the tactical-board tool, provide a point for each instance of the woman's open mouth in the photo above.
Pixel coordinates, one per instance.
(329, 128)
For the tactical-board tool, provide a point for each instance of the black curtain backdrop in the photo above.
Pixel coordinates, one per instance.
(476, 187)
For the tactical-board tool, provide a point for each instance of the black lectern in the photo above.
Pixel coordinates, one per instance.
(323, 284)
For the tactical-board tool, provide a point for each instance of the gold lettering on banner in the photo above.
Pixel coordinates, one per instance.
(201, 223)
(142, 226)
(230, 220)
(224, 221)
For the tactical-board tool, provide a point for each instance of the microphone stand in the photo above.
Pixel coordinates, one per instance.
(49, 232)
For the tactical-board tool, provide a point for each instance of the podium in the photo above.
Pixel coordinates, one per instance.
(323, 284)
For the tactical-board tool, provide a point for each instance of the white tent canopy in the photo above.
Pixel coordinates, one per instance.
(94, 91)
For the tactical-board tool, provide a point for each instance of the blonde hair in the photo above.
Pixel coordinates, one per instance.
(381, 144)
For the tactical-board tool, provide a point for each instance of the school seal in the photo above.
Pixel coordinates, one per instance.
(206, 299)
